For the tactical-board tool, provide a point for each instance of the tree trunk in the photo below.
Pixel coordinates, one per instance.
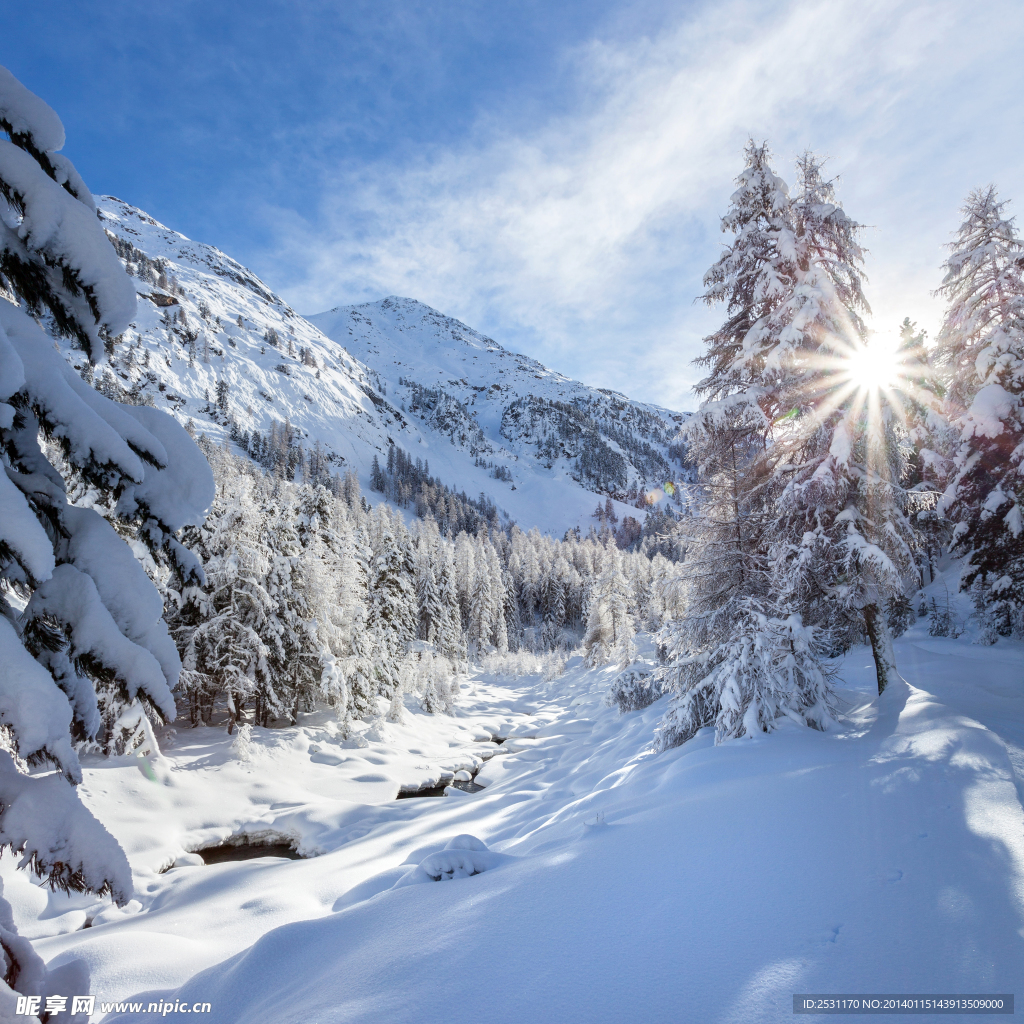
(881, 646)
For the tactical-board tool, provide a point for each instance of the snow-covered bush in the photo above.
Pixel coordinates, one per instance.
(634, 689)
(78, 613)
(434, 680)
(241, 745)
(132, 733)
(753, 668)
(941, 619)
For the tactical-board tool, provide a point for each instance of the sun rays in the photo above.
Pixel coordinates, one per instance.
(863, 378)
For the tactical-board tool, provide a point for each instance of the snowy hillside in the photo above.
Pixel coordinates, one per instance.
(213, 344)
(534, 427)
(609, 884)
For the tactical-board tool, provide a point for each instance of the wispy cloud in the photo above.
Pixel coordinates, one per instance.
(584, 241)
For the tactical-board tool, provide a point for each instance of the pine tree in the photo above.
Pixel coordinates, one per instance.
(87, 622)
(354, 574)
(496, 594)
(226, 630)
(481, 608)
(510, 608)
(429, 600)
(932, 441)
(392, 611)
(981, 350)
(728, 438)
(761, 669)
(610, 626)
(296, 649)
(450, 640)
(843, 544)
(807, 535)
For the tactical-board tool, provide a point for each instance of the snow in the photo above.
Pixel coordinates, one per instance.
(66, 233)
(173, 492)
(591, 879)
(133, 602)
(406, 340)
(21, 532)
(31, 705)
(989, 412)
(44, 819)
(12, 373)
(67, 402)
(27, 114)
(72, 599)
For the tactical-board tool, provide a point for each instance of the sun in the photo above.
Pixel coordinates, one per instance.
(874, 366)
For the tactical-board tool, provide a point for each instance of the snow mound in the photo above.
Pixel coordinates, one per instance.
(463, 857)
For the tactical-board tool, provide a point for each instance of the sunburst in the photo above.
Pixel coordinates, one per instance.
(863, 377)
(875, 366)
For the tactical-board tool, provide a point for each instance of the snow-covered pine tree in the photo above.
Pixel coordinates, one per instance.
(481, 608)
(334, 567)
(296, 651)
(93, 620)
(763, 668)
(223, 628)
(610, 626)
(428, 597)
(510, 607)
(932, 441)
(450, 638)
(842, 544)
(724, 660)
(728, 436)
(499, 628)
(981, 351)
(392, 610)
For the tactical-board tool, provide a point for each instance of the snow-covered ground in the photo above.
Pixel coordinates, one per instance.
(706, 883)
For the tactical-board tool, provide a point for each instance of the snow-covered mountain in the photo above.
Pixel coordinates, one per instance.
(537, 431)
(212, 343)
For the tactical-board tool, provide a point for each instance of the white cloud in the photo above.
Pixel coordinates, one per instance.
(584, 242)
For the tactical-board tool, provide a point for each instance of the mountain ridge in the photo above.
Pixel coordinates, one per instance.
(213, 344)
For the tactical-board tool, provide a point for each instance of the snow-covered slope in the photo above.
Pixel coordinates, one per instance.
(179, 364)
(543, 448)
(532, 423)
(885, 855)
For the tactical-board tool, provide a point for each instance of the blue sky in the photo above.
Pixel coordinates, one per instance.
(552, 174)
